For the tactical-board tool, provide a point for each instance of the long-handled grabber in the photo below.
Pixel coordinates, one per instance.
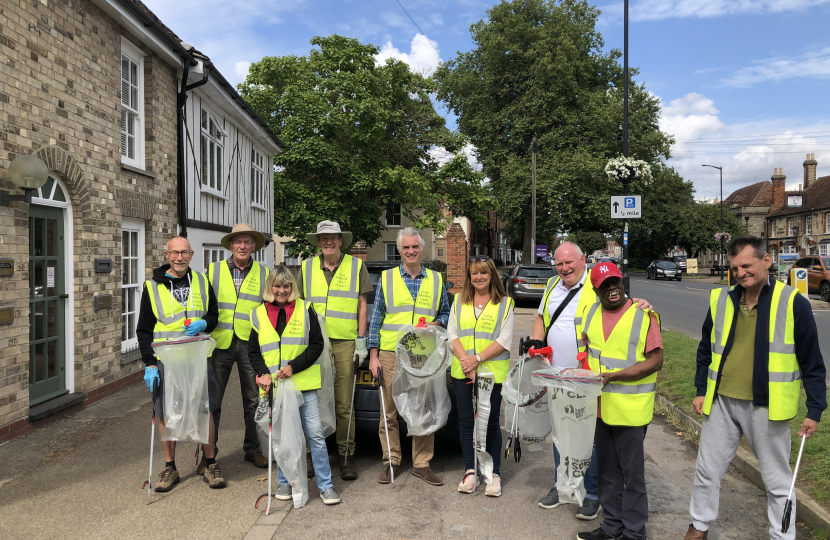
(514, 439)
(347, 455)
(149, 483)
(270, 449)
(788, 506)
(475, 431)
(385, 424)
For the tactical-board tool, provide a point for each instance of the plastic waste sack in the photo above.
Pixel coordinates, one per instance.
(419, 382)
(325, 395)
(533, 416)
(485, 382)
(288, 440)
(572, 399)
(186, 404)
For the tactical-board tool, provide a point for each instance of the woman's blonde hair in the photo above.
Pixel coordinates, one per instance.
(496, 289)
(280, 275)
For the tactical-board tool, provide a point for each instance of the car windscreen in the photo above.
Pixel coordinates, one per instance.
(544, 273)
(666, 265)
(826, 262)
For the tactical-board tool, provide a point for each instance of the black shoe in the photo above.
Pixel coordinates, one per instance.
(598, 534)
(589, 510)
(551, 500)
(347, 469)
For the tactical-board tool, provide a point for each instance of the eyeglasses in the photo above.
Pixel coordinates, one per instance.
(478, 258)
(177, 254)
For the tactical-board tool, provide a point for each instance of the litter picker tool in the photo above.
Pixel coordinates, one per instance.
(475, 431)
(788, 506)
(385, 424)
(149, 483)
(513, 439)
(347, 455)
(270, 449)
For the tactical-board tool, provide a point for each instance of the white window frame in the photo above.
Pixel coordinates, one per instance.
(827, 223)
(393, 206)
(772, 229)
(392, 255)
(212, 253)
(133, 54)
(258, 180)
(808, 225)
(824, 249)
(788, 249)
(132, 226)
(790, 225)
(214, 187)
(287, 259)
(259, 256)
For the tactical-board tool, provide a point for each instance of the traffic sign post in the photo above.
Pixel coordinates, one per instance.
(626, 207)
(798, 279)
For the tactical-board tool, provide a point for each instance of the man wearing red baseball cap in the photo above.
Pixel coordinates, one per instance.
(625, 348)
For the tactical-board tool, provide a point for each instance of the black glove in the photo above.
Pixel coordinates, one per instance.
(533, 344)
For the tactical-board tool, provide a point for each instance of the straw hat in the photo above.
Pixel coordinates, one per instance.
(329, 227)
(244, 228)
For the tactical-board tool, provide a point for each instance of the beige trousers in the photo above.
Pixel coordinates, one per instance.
(343, 352)
(422, 447)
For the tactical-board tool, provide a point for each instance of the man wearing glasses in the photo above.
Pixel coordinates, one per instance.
(173, 289)
(238, 283)
(404, 295)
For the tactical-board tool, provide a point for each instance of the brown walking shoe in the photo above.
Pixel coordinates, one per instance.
(167, 479)
(257, 459)
(694, 534)
(385, 477)
(347, 469)
(213, 476)
(309, 465)
(426, 474)
(200, 468)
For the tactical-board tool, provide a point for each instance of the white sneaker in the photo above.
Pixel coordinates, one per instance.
(467, 485)
(494, 489)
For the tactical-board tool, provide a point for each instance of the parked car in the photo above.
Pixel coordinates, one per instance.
(663, 269)
(527, 281)
(818, 275)
(602, 259)
(680, 261)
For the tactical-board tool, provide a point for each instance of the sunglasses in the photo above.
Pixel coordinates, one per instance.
(478, 258)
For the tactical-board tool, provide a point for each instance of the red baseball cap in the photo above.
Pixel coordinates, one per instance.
(603, 271)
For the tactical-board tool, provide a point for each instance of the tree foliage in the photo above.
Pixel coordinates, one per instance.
(538, 70)
(702, 222)
(588, 241)
(358, 136)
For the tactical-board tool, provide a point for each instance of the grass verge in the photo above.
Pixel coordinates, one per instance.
(676, 382)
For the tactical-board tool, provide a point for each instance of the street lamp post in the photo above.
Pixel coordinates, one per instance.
(626, 285)
(535, 148)
(720, 201)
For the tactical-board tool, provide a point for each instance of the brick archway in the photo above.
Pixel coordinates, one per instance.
(60, 161)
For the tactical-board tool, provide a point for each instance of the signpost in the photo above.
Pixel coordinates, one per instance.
(691, 266)
(626, 207)
(798, 279)
(541, 250)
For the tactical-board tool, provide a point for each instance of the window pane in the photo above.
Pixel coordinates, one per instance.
(219, 167)
(204, 160)
(125, 69)
(204, 119)
(131, 147)
(46, 189)
(58, 196)
(134, 244)
(40, 362)
(212, 161)
(51, 237)
(125, 243)
(134, 97)
(134, 275)
(51, 319)
(38, 237)
(207, 258)
(133, 73)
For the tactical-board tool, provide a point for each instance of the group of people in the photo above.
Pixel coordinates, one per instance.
(748, 376)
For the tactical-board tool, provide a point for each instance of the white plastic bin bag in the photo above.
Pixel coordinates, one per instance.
(419, 382)
(325, 395)
(572, 399)
(288, 440)
(485, 382)
(186, 402)
(533, 416)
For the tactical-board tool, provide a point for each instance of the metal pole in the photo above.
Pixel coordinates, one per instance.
(533, 204)
(721, 223)
(626, 285)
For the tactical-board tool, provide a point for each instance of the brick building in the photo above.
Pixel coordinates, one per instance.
(91, 87)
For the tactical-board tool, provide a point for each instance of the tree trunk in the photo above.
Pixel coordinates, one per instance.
(527, 256)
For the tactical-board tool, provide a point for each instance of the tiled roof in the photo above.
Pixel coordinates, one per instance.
(815, 198)
(758, 194)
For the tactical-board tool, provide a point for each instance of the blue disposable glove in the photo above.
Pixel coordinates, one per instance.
(195, 327)
(151, 375)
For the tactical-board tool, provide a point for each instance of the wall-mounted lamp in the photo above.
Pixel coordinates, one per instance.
(28, 173)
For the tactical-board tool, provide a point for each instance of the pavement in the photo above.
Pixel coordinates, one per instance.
(81, 476)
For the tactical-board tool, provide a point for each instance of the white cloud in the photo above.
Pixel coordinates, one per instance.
(814, 64)
(436, 19)
(241, 69)
(422, 56)
(655, 10)
(442, 156)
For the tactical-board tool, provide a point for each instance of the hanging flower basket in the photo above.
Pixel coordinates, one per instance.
(626, 169)
(723, 235)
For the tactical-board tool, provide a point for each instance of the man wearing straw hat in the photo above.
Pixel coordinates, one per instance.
(337, 284)
(238, 283)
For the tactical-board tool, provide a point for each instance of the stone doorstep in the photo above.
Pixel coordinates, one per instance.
(807, 509)
(55, 405)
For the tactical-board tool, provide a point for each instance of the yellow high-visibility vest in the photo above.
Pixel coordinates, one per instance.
(624, 403)
(477, 333)
(234, 310)
(170, 314)
(784, 374)
(278, 351)
(586, 298)
(401, 309)
(337, 302)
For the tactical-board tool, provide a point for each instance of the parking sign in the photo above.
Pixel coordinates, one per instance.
(626, 207)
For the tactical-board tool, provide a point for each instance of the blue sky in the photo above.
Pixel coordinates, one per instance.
(745, 84)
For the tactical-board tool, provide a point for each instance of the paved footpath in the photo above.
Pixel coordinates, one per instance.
(81, 477)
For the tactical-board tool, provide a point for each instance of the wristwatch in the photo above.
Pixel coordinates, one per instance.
(478, 358)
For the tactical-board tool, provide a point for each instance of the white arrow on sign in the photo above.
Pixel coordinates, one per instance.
(626, 207)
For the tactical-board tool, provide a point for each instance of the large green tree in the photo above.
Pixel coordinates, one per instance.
(701, 222)
(358, 136)
(538, 69)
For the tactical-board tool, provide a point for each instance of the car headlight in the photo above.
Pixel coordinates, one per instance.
(659, 271)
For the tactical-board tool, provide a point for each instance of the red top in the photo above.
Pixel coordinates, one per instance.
(654, 340)
(274, 311)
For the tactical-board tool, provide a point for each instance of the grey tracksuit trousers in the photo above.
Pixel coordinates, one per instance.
(770, 441)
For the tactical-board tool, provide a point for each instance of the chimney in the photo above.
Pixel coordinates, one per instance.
(779, 198)
(810, 165)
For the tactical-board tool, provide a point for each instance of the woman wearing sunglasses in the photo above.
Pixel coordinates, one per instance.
(480, 329)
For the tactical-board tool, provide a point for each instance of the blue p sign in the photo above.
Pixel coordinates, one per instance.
(629, 202)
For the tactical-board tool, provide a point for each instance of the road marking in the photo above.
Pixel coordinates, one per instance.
(695, 289)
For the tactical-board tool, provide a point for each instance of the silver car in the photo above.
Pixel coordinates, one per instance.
(527, 281)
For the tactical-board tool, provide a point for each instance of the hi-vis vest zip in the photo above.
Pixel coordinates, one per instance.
(278, 351)
(476, 334)
(401, 309)
(170, 314)
(784, 374)
(586, 297)
(234, 310)
(336, 302)
(624, 403)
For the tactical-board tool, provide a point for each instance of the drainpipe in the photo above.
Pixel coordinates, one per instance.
(181, 100)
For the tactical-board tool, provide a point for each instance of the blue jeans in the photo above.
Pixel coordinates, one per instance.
(466, 423)
(590, 475)
(313, 429)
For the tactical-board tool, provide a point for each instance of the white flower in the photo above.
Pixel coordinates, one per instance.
(620, 168)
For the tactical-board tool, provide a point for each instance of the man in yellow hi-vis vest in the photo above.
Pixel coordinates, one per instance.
(625, 347)
(759, 347)
(238, 283)
(337, 284)
(404, 294)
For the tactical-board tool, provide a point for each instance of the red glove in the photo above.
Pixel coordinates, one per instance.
(583, 360)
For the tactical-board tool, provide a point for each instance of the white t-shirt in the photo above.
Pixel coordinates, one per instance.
(562, 337)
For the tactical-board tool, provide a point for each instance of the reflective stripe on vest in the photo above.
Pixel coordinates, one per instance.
(401, 309)
(784, 381)
(624, 403)
(235, 309)
(478, 333)
(337, 302)
(170, 314)
(585, 299)
(278, 351)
